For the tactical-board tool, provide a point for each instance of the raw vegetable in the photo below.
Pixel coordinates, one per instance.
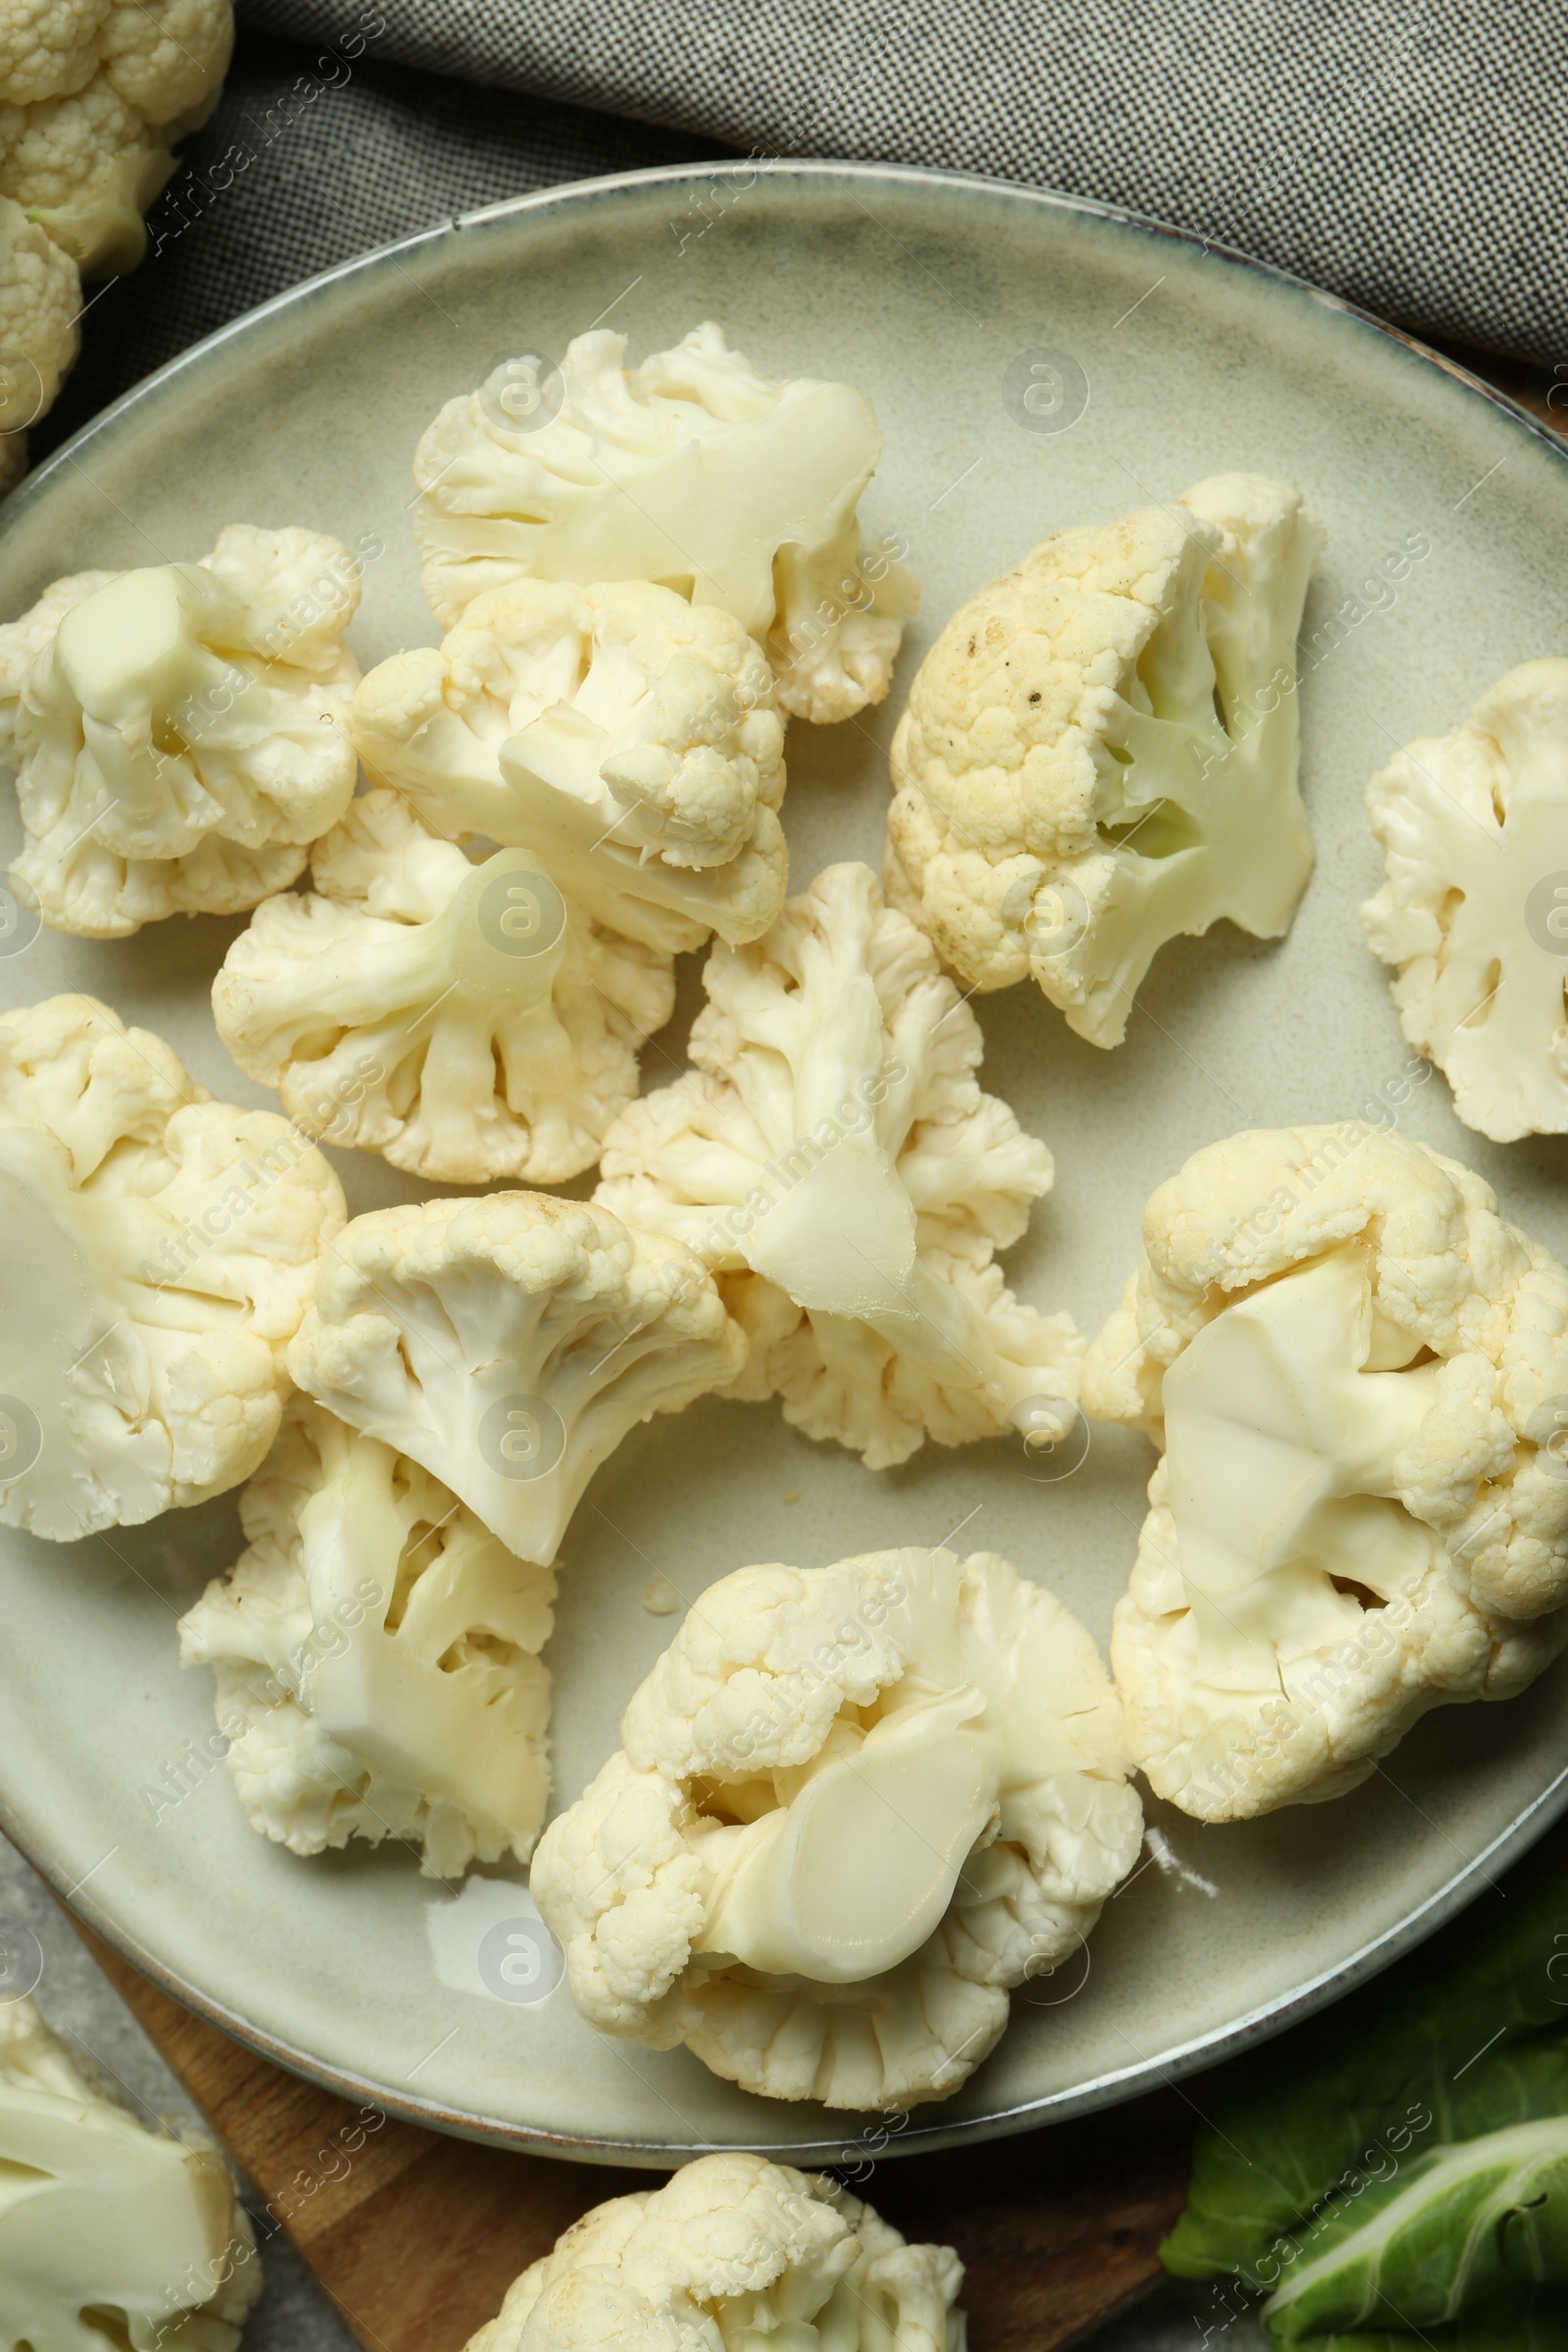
(109, 2233)
(1474, 914)
(181, 734)
(459, 1017)
(1356, 1370)
(94, 97)
(40, 299)
(377, 1657)
(160, 1249)
(508, 1344)
(1100, 751)
(625, 737)
(1395, 2173)
(733, 2255)
(833, 1157)
(853, 1806)
(691, 470)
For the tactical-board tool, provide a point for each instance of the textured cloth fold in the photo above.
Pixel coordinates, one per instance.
(1409, 160)
(1408, 157)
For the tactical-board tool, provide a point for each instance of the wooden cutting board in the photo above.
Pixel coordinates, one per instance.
(417, 2237)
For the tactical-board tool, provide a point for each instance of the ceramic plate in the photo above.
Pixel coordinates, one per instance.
(1447, 513)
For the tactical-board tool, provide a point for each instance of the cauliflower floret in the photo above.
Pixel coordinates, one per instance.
(693, 471)
(106, 2228)
(734, 2252)
(508, 1344)
(852, 1805)
(377, 1657)
(1100, 751)
(1356, 1372)
(22, 641)
(833, 1158)
(181, 736)
(86, 169)
(161, 1248)
(460, 1018)
(40, 302)
(626, 738)
(163, 57)
(1474, 830)
(93, 99)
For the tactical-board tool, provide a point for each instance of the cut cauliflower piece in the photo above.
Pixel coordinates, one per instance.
(833, 1158)
(626, 738)
(1474, 914)
(377, 1657)
(22, 641)
(180, 737)
(730, 2255)
(85, 168)
(40, 302)
(693, 471)
(852, 1805)
(460, 1018)
(87, 130)
(1100, 751)
(161, 1249)
(109, 2231)
(163, 57)
(1357, 1371)
(509, 1344)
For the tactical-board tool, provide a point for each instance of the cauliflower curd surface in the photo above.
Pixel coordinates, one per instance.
(109, 2233)
(1474, 913)
(377, 1652)
(1356, 1372)
(181, 734)
(508, 1344)
(691, 471)
(626, 738)
(833, 1158)
(459, 1017)
(852, 1808)
(1100, 751)
(160, 1249)
(731, 2255)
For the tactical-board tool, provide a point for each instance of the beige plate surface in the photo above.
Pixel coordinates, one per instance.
(925, 289)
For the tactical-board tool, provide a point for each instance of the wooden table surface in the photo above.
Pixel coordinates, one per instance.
(417, 2237)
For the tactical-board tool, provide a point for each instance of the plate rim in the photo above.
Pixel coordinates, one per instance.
(1107, 2090)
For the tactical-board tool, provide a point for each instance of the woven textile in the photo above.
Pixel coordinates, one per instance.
(1410, 158)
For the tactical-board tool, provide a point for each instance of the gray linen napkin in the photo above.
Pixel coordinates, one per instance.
(1409, 156)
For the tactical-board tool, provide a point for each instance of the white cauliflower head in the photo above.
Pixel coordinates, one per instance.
(691, 470)
(377, 1657)
(160, 1249)
(111, 2235)
(1359, 1375)
(833, 1157)
(625, 737)
(181, 734)
(852, 1805)
(730, 2255)
(1100, 751)
(1474, 914)
(40, 302)
(459, 1017)
(508, 1344)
